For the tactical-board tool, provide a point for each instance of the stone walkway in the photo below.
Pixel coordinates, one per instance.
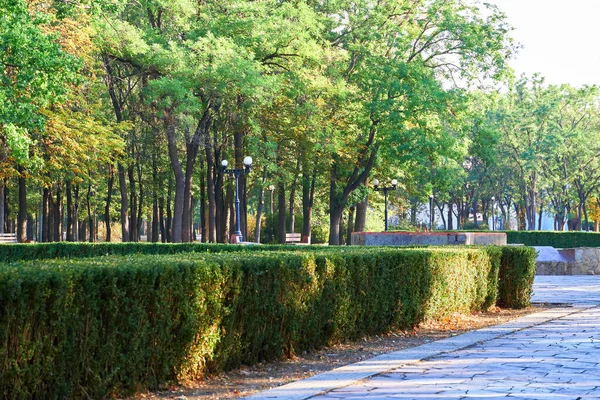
(554, 354)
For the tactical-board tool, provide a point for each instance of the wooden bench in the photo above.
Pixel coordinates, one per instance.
(8, 238)
(295, 238)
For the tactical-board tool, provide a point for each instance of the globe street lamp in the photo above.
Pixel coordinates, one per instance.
(431, 213)
(493, 219)
(236, 172)
(385, 193)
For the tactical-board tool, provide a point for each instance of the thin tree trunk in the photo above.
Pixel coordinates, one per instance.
(140, 205)
(2, 206)
(76, 235)
(161, 217)
(229, 219)
(46, 215)
(111, 180)
(260, 207)
(450, 222)
(212, 201)
(58, 213)
(91, 224)
(176, 225)
(134, 234)
(124, 204)
(282, 212)
(293, 195)
(203, 209)
(155, 214)
(22, 215)
(308, 196)
(69, 191)
(168, 225)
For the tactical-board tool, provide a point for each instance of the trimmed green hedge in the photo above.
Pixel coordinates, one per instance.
(559, 240)
(516, 275)
(83, 328)
(42, 251)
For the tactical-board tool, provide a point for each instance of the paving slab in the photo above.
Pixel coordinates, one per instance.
(554, 354)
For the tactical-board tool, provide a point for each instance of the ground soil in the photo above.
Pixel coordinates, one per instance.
(251, 379)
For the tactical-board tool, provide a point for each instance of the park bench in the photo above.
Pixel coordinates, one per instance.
(295, 238)
(8, 238)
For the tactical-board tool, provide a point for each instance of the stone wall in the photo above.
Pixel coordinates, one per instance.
(577, 261)
(428, 238)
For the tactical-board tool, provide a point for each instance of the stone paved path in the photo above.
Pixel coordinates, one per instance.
(550, 355)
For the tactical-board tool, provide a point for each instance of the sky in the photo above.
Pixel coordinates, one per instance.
(560, 38)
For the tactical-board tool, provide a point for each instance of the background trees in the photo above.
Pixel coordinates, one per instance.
(115, 116)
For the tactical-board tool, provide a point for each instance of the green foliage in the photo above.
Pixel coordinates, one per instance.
(81, 328)
(516, 277)
(559, 240)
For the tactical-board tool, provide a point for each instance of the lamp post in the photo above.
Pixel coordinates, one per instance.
(493, 219)
(431, 213)
(385, 190)
(236, 172)
(271, 188)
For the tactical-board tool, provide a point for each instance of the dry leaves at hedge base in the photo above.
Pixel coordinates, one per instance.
(251, 379)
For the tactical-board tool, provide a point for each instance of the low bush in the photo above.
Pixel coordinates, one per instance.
(516, 275)
(92, 328)
(559, 240)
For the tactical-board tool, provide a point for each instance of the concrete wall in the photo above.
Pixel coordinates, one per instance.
(427, 238)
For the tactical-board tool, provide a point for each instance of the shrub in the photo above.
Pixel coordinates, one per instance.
(114, 325)
(560, 240)
(516, 276)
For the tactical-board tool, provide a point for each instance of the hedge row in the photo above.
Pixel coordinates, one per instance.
(92, 328)
(559, 240)
(42, 251)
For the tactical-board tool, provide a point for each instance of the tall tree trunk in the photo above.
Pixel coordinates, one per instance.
(69, 193)
(124, 204)
(90, 223)
(293, 196)
(76, 235)
(212, 201)
(203, 210)
(541, 213)
(58, 213)
(260, 207)
(22, 215)
(282, 212)
(360, 220)
(140, 204)
(46, 215)
(308, 196)
(350, 227)
(2, 206)
(229, 213)
(161, 217)
(176, 226)
(155, 214)
(169, 224)
(134, 233)
(187, 218)
(30, 227)
(450, 222)
(587, 222)
(111, 180)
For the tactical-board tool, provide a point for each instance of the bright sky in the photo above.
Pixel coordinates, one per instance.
(560, 38)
